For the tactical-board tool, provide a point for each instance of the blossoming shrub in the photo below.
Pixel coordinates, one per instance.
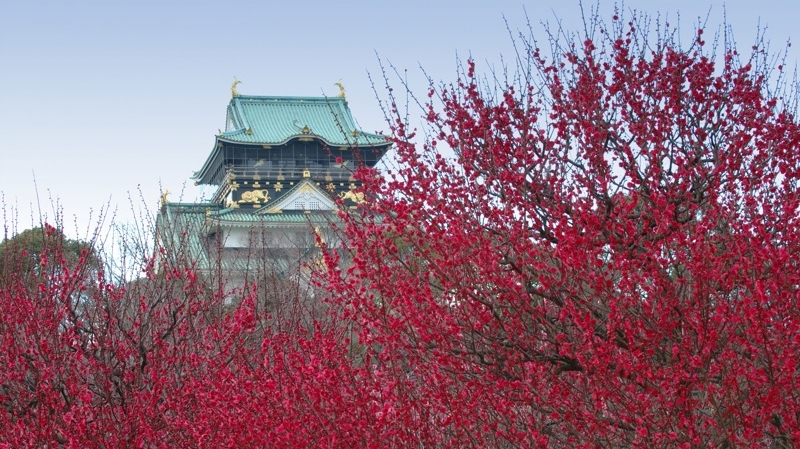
(599, 251)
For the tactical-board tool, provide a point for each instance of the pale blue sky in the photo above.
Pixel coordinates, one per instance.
(99, 97)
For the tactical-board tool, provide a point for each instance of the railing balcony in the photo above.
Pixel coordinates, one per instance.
(316, 172)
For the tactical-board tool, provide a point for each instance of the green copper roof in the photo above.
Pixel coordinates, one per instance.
(241, 218)
(276, 120)
(183, 229)
(267, 121)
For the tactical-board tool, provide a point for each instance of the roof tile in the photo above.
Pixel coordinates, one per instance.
(276, 120)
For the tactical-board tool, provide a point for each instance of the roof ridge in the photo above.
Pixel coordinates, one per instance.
(242, 113)
(292, 97)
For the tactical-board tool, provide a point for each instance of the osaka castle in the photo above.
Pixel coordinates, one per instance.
(279, 171)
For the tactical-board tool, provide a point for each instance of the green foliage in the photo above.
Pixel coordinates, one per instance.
(28, 251)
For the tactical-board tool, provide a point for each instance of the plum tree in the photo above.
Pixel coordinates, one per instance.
(599, 251)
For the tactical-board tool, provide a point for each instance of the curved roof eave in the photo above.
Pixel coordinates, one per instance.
(354, 143)
(199, 174)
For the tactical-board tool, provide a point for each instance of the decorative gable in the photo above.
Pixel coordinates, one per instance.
(305, 196)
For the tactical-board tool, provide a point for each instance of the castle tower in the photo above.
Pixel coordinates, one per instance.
(282, 154)
(277, 169)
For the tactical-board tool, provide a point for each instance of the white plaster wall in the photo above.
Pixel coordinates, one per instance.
(236, 238)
